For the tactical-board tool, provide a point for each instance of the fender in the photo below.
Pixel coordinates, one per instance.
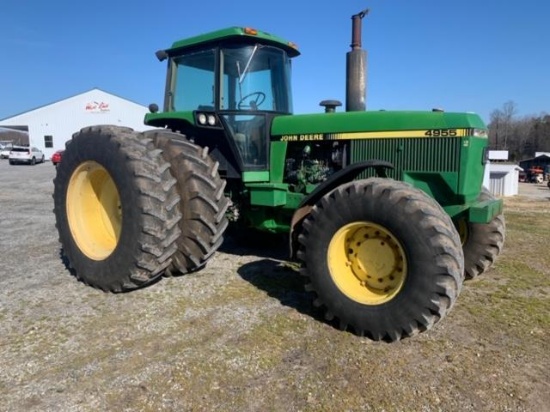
(342, 176)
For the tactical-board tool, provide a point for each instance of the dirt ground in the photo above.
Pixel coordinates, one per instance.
(242, 335)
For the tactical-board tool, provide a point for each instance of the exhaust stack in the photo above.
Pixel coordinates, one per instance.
(356, 68)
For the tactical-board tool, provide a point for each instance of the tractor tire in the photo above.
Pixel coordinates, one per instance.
(116, 208)
(382, 257)
(482, 242)
(203, 204)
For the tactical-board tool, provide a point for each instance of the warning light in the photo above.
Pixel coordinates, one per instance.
(251, 31)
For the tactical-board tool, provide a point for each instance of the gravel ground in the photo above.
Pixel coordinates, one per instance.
(241, 335)
(534, 190)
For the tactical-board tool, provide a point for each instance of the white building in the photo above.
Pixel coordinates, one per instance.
(50, 126)
(503, 179)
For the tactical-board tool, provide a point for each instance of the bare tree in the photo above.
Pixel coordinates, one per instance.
(541, 133)
(521, 142)
(509, 110)
(521, 137)
(495, 128)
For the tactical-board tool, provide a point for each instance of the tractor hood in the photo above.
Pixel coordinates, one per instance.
(361, 125)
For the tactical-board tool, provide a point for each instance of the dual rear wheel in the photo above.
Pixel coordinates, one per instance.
(123, 214)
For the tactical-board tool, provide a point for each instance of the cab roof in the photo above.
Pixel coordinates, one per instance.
(237, 33)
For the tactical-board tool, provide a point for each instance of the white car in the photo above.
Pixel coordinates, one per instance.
(23, 154)
(5, 151)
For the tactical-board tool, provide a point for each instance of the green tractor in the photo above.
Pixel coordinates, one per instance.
(384, 210)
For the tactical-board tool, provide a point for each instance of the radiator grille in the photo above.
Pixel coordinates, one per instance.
(409, 154)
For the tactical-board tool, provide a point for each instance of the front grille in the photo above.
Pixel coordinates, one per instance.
(409, 154)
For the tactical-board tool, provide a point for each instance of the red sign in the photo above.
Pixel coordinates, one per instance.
(97, 107)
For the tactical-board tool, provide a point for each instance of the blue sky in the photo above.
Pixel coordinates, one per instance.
(458, 55)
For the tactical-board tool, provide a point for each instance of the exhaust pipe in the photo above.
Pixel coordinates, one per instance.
(356, 68)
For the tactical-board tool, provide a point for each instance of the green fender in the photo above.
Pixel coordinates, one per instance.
(342, 176)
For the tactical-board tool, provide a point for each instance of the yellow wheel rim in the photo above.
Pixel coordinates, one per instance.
(367, 263)
(462, 228)
(94, 210)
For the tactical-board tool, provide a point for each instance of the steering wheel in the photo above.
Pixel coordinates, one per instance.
(259, 98)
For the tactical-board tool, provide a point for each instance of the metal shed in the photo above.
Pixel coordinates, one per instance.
(503, 179)
(541, 160)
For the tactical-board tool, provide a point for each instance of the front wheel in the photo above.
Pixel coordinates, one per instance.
(382, 257)
(482, 242)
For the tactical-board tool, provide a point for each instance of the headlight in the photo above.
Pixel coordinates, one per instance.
(201, 118)
(211, 120)
(480, 133)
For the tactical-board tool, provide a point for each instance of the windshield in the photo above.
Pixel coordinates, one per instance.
(253, 77)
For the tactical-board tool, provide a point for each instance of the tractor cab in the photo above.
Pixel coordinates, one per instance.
(228, 85)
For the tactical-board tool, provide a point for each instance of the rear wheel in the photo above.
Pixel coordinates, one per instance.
(116, 208)
(482, 242)
(382, 257)
(203, 204)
